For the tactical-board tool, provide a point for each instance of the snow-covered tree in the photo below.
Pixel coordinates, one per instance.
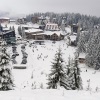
(25, 55)
(19, 30)
(10, 28)
(77, 76)
(72, 80)
(93, 50)
(57, 71)
(83, 40)
(82, 43)
(13, 28)
(6, 82)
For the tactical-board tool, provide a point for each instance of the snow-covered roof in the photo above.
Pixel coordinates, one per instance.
(12, 20)
(51, 23)
(72, 37)
(1, 33)
(4, 18)
(52, 32)
(47, 17)
(35, 25)
(20, 65)
(41, 34)
(30, 26)
(68, 30)
(74, 33)
(41, 17)
(5, 29)
(82, 55)
(33, 30)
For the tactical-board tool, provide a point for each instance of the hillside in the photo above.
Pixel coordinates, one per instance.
(31, 83)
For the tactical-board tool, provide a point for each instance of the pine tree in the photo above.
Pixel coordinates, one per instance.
(72, 80)
(83, 41)
(19, 30)
(57, 71)
(93, 50)
(13, 28)
(77, 77)
(65, 81)
(10, 28)
(6, 82)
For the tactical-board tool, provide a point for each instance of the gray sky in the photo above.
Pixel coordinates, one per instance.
(90, 7)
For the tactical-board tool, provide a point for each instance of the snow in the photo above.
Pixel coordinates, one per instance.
(12, 20)
(74, 33)
(73, 38)
(51, 24)
(52, 32)
(49, 95)
(28, 25)
(39, 62)
(68, 29)
(38, 67)
(33, 30)
(4, 18)
(5, 29)
(36, 26)
(82, 55)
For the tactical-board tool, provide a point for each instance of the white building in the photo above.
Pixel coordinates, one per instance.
(4, 20)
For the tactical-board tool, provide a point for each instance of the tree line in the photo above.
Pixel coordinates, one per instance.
(85, 21)
(89, 43)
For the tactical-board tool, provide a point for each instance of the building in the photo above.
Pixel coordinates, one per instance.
(75, 28)
(55, 35)
(38, 34)
(4, 20)
(7, 35)
(21, 21)
(32, 33)
(12, 21)
(81, 57)
(51, 27)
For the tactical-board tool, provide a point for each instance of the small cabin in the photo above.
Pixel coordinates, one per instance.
(81, 57)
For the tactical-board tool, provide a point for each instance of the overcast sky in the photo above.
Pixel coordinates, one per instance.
(89, 7)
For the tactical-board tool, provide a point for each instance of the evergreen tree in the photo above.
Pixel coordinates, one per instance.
(77, 77)
(13, 28)
(83, 40)
(82, 43)
(93, 50)
(57, 71)
(10, 28)
(6, 82)
(19, 30)
(72, 80)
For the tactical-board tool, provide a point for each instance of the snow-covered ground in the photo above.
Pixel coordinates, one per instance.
(38, 63)
(30, 83)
